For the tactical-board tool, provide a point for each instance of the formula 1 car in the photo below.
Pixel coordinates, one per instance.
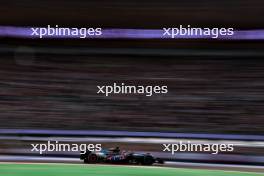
(114, 156)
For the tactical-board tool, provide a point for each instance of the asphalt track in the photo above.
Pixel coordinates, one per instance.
(44, 169)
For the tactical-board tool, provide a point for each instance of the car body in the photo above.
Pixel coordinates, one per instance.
(117, 157)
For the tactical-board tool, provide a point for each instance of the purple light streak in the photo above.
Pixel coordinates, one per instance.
(25, 32)
(130, 134)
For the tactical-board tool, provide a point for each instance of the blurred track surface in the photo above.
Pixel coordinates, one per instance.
(9, 160)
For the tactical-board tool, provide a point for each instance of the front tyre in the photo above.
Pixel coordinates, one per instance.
(91, 159)
(148, 160)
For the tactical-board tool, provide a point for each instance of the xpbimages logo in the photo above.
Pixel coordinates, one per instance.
(131, 89)
(62, 147)
(192, 147)
(65, 31)
(198, 32)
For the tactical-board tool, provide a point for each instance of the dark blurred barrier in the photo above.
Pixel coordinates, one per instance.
(206, 94)
(134, 14)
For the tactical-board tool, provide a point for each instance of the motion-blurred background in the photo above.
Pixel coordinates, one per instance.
(216, 87)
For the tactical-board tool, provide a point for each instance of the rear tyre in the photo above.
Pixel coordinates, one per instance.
(85, 160)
